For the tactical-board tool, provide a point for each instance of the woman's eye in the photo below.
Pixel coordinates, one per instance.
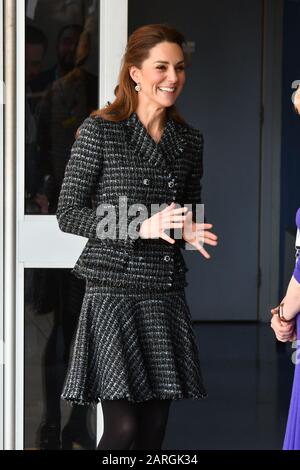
(161, 67)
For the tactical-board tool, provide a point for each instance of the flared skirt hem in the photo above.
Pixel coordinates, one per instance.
(71, 400)
(138, 347)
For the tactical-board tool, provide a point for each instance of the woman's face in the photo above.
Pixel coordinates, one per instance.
(162, 75)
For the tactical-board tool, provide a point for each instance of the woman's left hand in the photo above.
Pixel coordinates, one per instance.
(284, 331)
(197, 234)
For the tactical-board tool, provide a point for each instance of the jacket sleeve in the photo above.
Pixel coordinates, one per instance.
(74, 211)
(193, 187)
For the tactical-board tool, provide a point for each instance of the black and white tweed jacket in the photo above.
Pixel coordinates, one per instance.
(113, 162)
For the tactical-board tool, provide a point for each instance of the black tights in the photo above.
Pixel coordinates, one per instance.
(129, 425)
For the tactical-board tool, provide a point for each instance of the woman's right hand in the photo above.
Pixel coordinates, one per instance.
(154, 226)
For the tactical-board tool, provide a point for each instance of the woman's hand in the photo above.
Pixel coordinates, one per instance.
(284, 331)
(197, 234)
(169, 217)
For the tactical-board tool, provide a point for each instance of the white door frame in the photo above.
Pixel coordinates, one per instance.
(38, 242)
(9, 228)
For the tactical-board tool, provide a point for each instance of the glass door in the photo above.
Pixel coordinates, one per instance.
(68, 56)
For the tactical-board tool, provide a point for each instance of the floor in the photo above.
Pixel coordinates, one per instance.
(248, 376)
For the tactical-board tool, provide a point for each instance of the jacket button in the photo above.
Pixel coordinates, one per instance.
(167, 258)
(146, 181)
(171, 184)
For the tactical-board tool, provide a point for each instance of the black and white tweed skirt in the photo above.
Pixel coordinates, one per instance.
(134, 346)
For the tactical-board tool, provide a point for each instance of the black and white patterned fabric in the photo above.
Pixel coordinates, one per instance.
(135, 338)
(110, 161)
(134, 346)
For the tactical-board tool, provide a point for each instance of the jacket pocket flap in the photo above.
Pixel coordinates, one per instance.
(99, 256)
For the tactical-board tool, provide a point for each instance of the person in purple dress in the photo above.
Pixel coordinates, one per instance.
(286, 325)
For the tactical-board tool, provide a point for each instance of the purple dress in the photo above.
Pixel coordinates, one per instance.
(292, 433)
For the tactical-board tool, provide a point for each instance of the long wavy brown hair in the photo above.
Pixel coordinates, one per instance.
(137, 50)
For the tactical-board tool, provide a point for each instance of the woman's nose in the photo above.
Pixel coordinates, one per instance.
(172, 76)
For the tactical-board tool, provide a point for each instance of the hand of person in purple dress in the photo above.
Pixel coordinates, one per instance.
(284, 330)
(197, 234)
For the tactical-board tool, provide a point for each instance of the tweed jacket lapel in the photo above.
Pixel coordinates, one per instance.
(164, 152)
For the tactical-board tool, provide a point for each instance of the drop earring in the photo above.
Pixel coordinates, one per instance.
(137, 87)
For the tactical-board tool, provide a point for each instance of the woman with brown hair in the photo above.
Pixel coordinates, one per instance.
(135, 348)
